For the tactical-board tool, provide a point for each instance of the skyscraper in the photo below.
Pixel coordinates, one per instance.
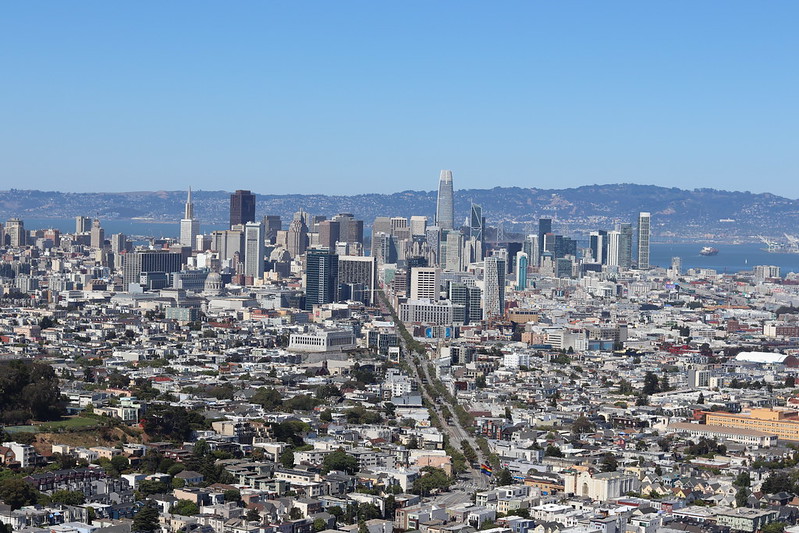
(242, 207)
(625, 245)
(141, 261)
(476, 222)
(613, 248)
(321, 277)
(445, 208)
(329, 232)
(189, 226)
(494, 291)
(522, 260)
(644, 221)
(425, 283)
(544, 227)
(359, 270)
(254, 250)
(97, 234)
(272, 224)
(15, 233)
(83, 224)
(297, 235)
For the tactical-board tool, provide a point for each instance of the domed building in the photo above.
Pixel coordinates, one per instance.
(213, 285)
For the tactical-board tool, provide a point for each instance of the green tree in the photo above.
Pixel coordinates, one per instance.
(774, 527)
(287, 458)
(252, 515)
(743, 479)
(232, 495)
(326, 416)
(431, 479)
(319, 525)
(17, 493)
(651, 384)
(146, 519)
(609, 463)
(185, 508)
(553, 451)
(340, 460)
(741, 496)
(269, 399)
(68, 497)
(581, 425)
(504, 477)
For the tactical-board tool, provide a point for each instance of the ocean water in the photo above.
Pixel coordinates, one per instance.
(731, 257)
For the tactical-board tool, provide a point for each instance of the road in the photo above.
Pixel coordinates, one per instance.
(475, 479)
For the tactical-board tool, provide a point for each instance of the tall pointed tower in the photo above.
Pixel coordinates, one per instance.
(445, 208)
(189, 226)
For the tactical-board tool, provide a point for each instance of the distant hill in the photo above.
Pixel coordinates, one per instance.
(677, 214)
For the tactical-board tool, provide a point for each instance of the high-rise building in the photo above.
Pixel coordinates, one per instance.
(15, 233)
(118, 242)
(297, 235)
(228, 243)
(149, 261)
(625, 245)
(453, 259)
(272, 224)
(350, 230)
(242, 208)
(644, 221)
(445, 205)
(614, 249)
(329, 232)
(598, 241)
(425, 283)
(494, 291)
(359, 270)
(189, 226)
(97, 234)
(418, 225)
(321, 277)
(83, 224)
(544, 227)
(254, 250)
(476, 222)
(522, 260)
(530, 247)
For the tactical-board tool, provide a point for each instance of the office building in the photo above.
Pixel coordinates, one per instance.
(254, 250)
(522, 261)
(15, 233)
(329, 232)
(625, 245)
(242, 208)
(272, 224)
(476, 222)
(598, 242)
(445, 206)
(149, 261)
(452, 259)
(97, 234)
(544, 228)
(297, 235)
(470, 298)
(189, 226)
(350, 229)
(644, 221)
(530, 247)
(359, 270)
(494, 287)
(425, 283)
(418, 225)
(119, 242)
(83, 224)
(614, 249)
(321, 277)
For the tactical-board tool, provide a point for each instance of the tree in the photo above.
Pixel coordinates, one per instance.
(744, 479)
(287, 458)
(340, 460)
(790, 381)
(581, 425)
(269, 399)
(319, 525)
(232, 495)
(431, 479)
(368, 511)
(609, 463)
(741, 497)
(326, 416)
(295, 513)
(553, 451)
(185, 508)
(774, 527)
(701, 399)
(651, 384)
(17, 493)
(252, 515)
(664, 383)
(504, 478)
(68, 497)
(146, 520)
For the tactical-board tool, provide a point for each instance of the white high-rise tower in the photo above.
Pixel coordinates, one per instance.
(189, 226)
(644, 230)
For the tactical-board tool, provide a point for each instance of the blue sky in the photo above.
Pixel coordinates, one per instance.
(351, 97)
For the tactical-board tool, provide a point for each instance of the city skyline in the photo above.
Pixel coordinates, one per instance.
(521, 94)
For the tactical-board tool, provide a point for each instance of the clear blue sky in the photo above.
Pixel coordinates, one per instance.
(374, 96)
